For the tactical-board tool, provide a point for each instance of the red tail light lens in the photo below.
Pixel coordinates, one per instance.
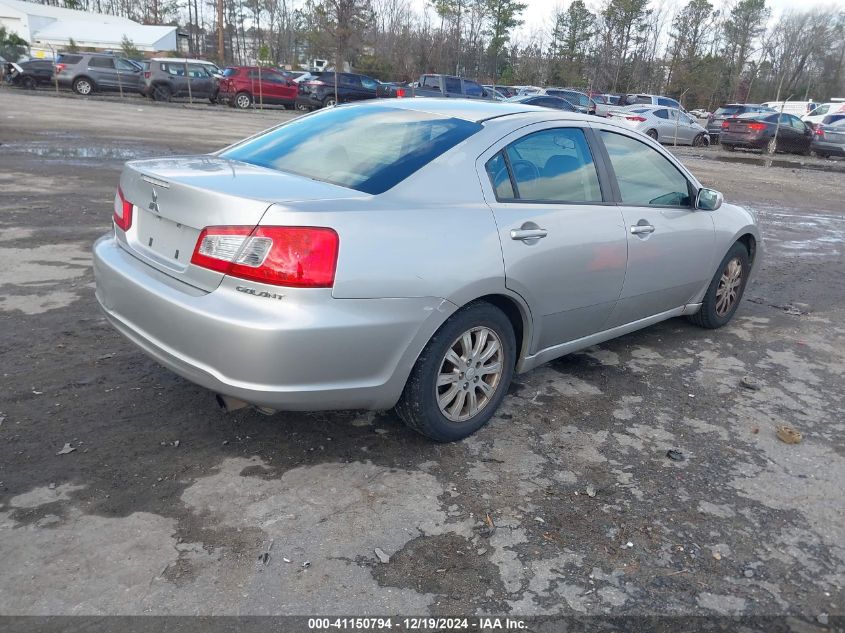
(819, 132)
(298, 256)
(400, 92)
(122, 211)
(725, 125)
(60, 68)
(756, 126)
(638, 119)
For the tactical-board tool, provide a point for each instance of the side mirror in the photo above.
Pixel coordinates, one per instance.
(708, 199)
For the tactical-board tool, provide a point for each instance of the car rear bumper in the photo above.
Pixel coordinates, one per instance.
(305, 351)
(754, 141)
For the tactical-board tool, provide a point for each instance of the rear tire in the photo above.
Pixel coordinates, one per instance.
(83, 86)
(242, 100)
(329, 102)
(447, 401)
(724, 293)
(28, 83)
(771, 146)
(162, 93)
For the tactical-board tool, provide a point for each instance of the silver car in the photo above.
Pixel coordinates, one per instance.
(666, 125)
(413, 253)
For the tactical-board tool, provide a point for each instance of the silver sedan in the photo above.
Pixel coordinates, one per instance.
(413, 253)
(663, 124)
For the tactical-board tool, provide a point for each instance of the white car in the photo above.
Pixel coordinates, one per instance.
(663, 124)
(817, 114)
(699, 113)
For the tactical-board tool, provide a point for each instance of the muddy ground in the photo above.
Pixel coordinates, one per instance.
(166, 505)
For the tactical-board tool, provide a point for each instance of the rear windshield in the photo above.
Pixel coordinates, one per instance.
(369, 148)
(728, 110)
(64, 58)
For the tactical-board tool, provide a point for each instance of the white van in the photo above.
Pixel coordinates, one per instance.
(798, 108)
(823, 109)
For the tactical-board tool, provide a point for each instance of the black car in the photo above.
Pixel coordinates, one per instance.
(35, 72)
(829, 138)
(544, 101)
(579, 100)
(768, 132)
(714, 121)
(319, 91)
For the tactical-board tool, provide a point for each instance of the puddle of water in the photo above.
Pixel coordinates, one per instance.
(74, 152)
(819, 234)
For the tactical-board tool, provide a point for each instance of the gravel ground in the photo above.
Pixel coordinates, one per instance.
(565, 504)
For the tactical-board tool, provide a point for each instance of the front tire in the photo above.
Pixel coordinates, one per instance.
(652, 134)
(462, 375)
(698, 141)
(724, 293)
(329, 102)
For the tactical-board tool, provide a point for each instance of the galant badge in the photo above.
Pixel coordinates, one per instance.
(154, 204)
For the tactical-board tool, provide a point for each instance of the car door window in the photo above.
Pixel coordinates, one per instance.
(196, 72)
(125, 66)
(553, 165)
(797, 124)
(453, 84)
(645, 177)
(472, 89)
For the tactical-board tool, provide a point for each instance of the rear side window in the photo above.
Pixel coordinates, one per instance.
(69, 59)
(369, 148)
(645, 177)
(553, 165)
(101, 62)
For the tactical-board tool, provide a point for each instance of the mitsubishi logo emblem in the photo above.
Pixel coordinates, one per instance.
(154, 204)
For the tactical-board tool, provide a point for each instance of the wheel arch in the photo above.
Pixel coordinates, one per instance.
(519, 317)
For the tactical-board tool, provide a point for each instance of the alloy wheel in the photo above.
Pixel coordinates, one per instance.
(83, 87)
(243, 101)
(727, 291)
(470, 374)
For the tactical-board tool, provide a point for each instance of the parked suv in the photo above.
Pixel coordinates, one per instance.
(714, 121)
(85, 73)
(242, 86)
(319, 91)
(167, 78)
(30, 74)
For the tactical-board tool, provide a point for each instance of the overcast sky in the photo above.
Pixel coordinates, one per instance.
(538, 14)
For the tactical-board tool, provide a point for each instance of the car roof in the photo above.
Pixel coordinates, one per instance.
(474, 110)
(182, 59)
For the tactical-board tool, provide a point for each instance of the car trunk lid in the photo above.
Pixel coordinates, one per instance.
(174, 199)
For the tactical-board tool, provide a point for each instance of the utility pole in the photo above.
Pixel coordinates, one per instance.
(221, 41)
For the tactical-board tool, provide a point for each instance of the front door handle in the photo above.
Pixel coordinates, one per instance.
(642, 229)
(528, 234)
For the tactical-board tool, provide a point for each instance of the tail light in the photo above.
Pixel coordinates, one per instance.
(298, 256)
(400, 92)
(756, 126)
(147, 74)
(638, 119)
(60, 68)
(725, 125)
(819, 132)
(122, 211)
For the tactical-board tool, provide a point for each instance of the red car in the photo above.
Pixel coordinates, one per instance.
(242, 86)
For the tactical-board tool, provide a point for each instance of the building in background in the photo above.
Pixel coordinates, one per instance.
(50, 29)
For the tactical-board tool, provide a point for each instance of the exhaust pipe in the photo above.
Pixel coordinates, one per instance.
(229, 404)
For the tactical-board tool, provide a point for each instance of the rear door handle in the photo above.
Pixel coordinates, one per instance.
(642, 229)
(528, 234)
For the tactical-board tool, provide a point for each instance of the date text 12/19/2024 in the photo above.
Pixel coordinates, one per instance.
(416, 624)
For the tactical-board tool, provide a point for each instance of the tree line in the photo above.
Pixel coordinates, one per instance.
(703, 52)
